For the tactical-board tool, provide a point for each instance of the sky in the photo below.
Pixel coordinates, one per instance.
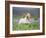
(18, 11)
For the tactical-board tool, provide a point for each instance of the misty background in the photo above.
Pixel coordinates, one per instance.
(19, 11)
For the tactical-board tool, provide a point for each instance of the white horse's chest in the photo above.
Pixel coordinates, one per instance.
(22, 20)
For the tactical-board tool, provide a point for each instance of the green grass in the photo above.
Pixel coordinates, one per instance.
(26, 26)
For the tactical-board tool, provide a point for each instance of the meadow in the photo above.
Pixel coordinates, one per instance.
(25, 26)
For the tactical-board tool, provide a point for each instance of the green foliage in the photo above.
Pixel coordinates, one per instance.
(26, 26)
(35, 17)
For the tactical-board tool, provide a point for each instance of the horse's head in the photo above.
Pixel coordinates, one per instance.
(28, 16)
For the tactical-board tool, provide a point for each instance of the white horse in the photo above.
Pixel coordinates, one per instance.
(26, 19)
